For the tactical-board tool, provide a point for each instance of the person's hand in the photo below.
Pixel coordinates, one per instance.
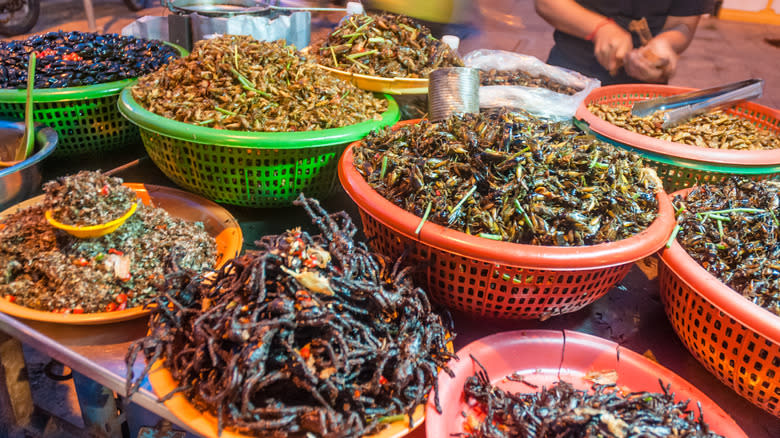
(655, 62)
(611, 44)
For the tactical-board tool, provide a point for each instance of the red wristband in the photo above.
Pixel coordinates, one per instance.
(601, 24)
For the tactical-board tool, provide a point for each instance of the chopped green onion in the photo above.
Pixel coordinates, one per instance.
(491, 236)
(333, 52)
(405, 27)
(247, 84)
(384, 168)
(424, 218)
(525, 215)
(454, 211)
(224, 111)
(355, 56)
(675, 231)
(392, 418)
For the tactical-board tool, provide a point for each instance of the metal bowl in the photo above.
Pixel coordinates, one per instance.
(217, 8)
(23, 179)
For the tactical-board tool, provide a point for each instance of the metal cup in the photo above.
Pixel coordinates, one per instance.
(453, 90)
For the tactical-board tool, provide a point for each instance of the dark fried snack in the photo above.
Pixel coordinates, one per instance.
(506, 176)
(309, 334)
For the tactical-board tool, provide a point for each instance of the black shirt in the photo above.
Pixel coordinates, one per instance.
(577, 54)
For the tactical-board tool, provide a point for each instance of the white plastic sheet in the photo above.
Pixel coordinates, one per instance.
(540, 102)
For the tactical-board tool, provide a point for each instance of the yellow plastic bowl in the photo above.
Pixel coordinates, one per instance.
(397, 86)
(88, 231)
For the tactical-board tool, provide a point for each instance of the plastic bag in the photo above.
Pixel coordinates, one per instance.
(540, 102)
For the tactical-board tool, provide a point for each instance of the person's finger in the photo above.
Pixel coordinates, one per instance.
(602, 54)
(620, 53)
(639, 67)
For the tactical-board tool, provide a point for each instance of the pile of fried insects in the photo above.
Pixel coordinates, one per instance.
(732, 231)
(717, 130)
(508, 176)
(238, 83)
(385, 45)
(308, 334)
(563, 411)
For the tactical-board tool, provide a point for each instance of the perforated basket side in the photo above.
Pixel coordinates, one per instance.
(82, 126)
(741, 358)
(679, 177)
(501, 291)
(488, 289)
(252, 177)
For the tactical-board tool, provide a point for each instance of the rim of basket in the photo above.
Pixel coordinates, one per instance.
(189, 132)
(726, 299)
(571, 258)
(47, 95)
(760, 158)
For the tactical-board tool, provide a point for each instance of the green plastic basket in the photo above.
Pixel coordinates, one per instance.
(253, 169)
(679, 165)
(85, 118)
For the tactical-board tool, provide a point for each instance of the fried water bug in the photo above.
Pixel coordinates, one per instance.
(732, 231)
(507, 176)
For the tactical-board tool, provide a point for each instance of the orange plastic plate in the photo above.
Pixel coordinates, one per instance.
(217, 221)
(205, 424)
(545, 356)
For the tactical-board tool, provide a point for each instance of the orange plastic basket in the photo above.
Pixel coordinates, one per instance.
(681, 165)
(499, 279)
(735, 339)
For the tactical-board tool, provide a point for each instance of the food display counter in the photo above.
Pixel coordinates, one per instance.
(631, 315)
(256, 174)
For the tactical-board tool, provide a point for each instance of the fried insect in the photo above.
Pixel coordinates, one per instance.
(387, 45)
(732, 231)
(238, 83)
(506, 176)
(718, 130)
(309, 334)
(519, 77)
(563, 411)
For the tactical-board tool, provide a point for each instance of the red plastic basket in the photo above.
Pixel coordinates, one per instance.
(499, 279)
(735, 339)
(680, 165)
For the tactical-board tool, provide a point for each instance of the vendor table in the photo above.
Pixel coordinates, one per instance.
(631, 314)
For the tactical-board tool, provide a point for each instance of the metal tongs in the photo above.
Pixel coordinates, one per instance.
(687, 105)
